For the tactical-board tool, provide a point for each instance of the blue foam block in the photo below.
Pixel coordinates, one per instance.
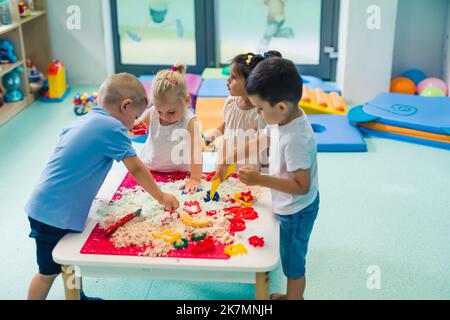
(334, 133)
(56, 100)
(400, 137)
(214, 88)
(429, 114)
(140, 139)
(314, 83)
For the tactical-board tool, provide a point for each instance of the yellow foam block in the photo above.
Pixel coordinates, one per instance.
(209, 112)
(318, 102)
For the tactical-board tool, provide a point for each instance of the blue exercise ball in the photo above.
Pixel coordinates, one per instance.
(416, 76)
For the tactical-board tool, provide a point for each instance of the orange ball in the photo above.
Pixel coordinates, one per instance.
(403, 85)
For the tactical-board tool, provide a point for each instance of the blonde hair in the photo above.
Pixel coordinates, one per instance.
(121, 86)
(170, 81)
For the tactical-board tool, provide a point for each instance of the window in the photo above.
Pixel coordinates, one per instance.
(153, 34)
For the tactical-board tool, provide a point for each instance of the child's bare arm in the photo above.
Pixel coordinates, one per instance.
(298, 184)
(142, 175)
(196, 158)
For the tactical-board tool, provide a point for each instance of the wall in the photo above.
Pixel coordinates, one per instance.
(83, 51)
(446, 71)
(420, 36)
(365, 55)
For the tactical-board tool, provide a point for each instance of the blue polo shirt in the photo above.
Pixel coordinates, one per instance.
(76, 170)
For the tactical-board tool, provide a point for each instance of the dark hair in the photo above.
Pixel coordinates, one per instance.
(246, 62)
(276, 80)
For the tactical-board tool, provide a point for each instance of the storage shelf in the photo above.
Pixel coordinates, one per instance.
(9, 110)
(5, 68)
(33, 16)
(8, 28)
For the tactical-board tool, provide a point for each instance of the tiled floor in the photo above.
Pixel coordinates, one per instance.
(388, 208)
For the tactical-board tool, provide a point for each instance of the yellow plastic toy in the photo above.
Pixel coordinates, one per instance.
(235, 249)
(57, 81)
(318, 102)
(195, 222)
(245, 199)
(168, 235)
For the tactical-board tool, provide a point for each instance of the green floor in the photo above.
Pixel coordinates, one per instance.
(388, 208)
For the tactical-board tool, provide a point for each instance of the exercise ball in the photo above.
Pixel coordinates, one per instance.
(403, 85)
(432, 92)
(432, 82)
(416, 76)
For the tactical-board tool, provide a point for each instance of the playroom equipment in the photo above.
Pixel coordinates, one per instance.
(12, 82)
(432, 92)
(7, 54)
(24, 10)
(209, 112)
(415, 76)
(402, 85)
(409, 118)
(334, 133)
(82, 103)
(216, 183)
(315, 83)
(214, 88)
(5, 13)
(35, 78)
(318, 102)
(58, 89)
(432, 82)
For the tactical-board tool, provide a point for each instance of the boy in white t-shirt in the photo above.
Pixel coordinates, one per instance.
(275, 88)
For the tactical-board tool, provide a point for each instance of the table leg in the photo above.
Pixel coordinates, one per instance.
(262, 286)
(71, 288)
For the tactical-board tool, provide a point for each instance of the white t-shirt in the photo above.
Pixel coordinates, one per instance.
(292, 147)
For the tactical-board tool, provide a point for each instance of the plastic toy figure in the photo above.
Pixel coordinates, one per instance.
(35, 77)
(158, 10)
(7, 54)
(24, 11)
(83, 103)
(11, 83)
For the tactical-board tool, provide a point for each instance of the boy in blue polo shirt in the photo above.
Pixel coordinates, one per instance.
(61, 201)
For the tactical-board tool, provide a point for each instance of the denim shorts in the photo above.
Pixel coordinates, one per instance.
(46, 237)
(295, 231)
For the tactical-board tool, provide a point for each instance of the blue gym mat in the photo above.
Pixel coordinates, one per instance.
(429, 114)
(334, 133)
(214, 88)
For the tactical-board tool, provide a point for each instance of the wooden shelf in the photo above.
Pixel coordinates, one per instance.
(33, 16)
(9, 110)
(5, 68)
(7, 28)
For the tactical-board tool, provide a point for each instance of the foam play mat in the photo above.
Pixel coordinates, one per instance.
(334, 133)
(213, 88)
(318, 102)
(316, 83)
(209, 112)
(407, 111)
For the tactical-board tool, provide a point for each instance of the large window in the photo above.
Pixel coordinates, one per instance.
(154, 34)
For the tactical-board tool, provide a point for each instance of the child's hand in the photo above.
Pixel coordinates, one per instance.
(191, 186)
(169, 201)
(249, 176)
(138, 128)
(221, 172)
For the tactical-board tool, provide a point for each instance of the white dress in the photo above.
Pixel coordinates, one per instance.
(167, 148)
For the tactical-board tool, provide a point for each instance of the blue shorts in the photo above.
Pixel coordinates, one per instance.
(46, 238)
(295, 231)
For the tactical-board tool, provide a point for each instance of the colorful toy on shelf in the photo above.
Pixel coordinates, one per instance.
(403, 86)
(58, 89)
(24, 10)
(82, 103)
(318, 102)
(7, 54)
(12, 82)
(5, 13)
(35, 78)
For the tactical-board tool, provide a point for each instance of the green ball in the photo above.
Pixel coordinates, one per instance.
(432, 92)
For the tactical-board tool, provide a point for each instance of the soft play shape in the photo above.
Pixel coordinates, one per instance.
(318, 102)
(432, 82)
(214, 88)
(403, 85)
(407, 138)
(314, 83)
(334, 133)
(209, 112)
(407, 111)
(214, 73)
(432, 92)
(415, 76)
